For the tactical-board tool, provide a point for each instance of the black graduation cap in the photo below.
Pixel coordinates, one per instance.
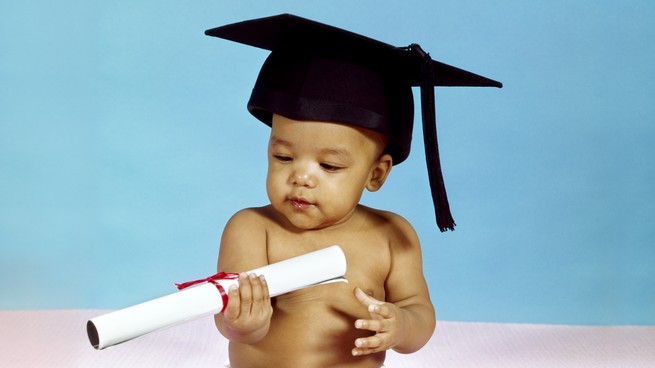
(322, 73)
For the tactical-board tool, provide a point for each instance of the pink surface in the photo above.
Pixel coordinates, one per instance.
(58, 339)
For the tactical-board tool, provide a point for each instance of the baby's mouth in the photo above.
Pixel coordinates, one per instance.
(300, 204)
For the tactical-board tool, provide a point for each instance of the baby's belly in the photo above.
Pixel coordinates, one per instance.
(309, 328)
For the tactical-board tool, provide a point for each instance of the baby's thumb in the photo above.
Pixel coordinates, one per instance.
(365, 299)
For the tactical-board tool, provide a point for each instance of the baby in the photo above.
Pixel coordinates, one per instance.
(340, 109)
(316, 175)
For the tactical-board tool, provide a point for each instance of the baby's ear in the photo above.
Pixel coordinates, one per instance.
(379, 173)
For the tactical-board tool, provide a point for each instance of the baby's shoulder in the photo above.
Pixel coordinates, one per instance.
(382, 217)
(392, 225)
(253, 218)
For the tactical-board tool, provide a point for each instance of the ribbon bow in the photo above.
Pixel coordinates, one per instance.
(212, 279)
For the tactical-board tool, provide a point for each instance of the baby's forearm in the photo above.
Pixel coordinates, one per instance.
(421, 322)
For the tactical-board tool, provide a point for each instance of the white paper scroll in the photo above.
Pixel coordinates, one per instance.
(322, 266)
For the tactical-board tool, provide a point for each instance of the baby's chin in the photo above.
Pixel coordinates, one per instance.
(308, 224)
(304, 221)
(309, 218)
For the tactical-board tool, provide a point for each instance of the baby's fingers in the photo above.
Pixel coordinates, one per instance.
(233, 307)
(383, 310)
(260, 297)
(240, 298)
(375, 325)
(245, 292)
(368, 345)
(365, 299)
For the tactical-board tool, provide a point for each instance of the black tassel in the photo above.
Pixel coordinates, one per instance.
(440, 199)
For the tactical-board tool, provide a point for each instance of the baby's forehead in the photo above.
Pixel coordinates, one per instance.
(327, 137)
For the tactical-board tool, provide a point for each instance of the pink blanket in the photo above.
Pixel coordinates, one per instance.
(58, 339)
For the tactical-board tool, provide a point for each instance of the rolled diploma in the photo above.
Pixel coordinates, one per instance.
(318, 267)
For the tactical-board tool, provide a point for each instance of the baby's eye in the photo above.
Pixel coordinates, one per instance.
(330, 167)
(283, 158)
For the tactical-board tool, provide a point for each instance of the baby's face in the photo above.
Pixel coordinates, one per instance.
(317, 171)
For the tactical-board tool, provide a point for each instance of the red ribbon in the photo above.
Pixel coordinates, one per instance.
(212, 279)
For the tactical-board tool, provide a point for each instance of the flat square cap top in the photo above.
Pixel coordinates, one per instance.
(290, 31)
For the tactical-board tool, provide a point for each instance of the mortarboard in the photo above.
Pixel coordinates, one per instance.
(322, 73)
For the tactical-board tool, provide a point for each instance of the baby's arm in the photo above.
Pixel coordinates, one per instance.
(406, 321)
(246, 318)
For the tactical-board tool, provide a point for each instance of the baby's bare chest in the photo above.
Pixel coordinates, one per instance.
(317, 323)
(367, 255)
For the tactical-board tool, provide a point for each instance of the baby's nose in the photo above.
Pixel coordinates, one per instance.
(303, 178)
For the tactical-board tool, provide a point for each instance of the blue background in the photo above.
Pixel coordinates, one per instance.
(125, 146)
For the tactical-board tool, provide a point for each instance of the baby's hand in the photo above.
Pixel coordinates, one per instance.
(386, 321)
(248, 309)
